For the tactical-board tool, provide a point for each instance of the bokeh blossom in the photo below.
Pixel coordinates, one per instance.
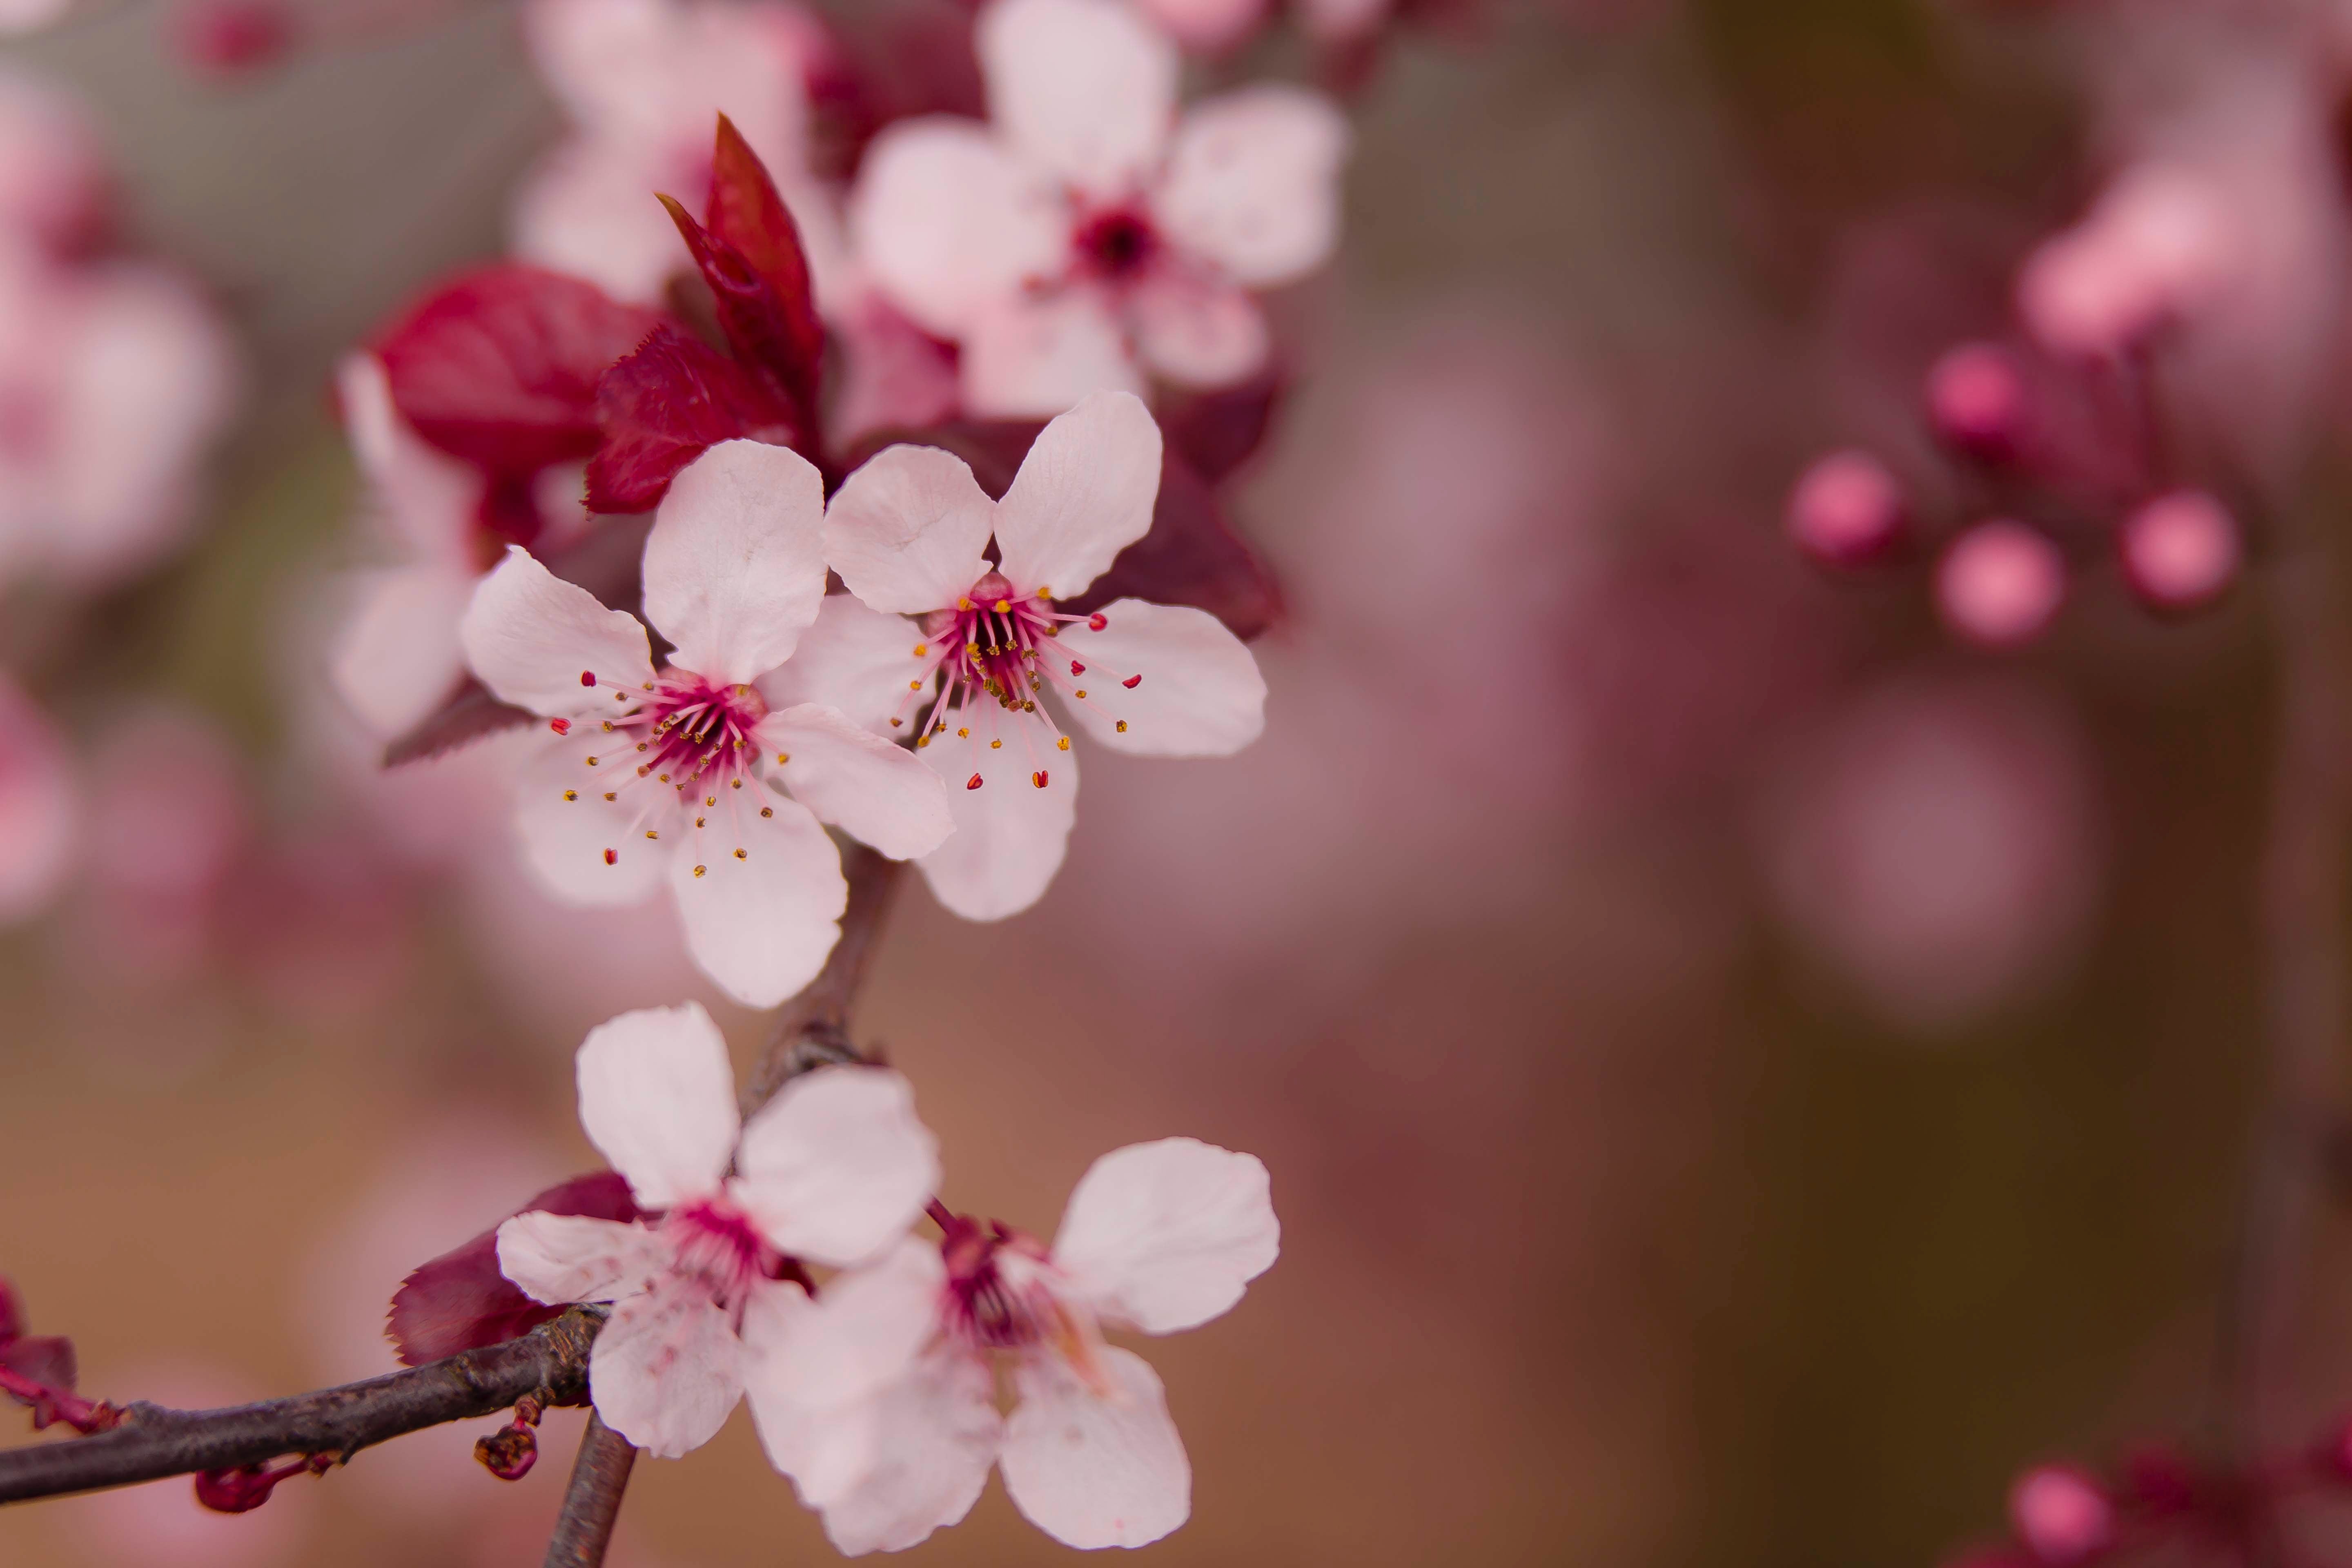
(39, 805)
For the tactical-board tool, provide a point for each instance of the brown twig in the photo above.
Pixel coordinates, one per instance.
(592, 1501)
(550, 1364)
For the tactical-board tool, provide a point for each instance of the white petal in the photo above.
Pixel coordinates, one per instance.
(837, 1165)
(735, 564)
(583, 848)
(1165, 1236)
(856, 659)
(947, 221)
(658, 1099)
(870, 1324)
(1032, 356)
(858, 781)
(916, 1454)
(423, 497)
(760, 923)
(530, 635)
(1085, 492)
(1253, 182)
(1093, 1470)
(1200, 693)
(397, 658)
(1197, 332)
(1009, 835)
(667, 1369)
(586, 208)
(1084, 88)
(563, 1258)
(777, 1317)
(905, 530)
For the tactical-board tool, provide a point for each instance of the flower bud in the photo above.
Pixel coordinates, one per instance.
(1846, 510)
(2179, 551)
(1999, 582)
(1977, 401)
(238, 1491)
(509, 1452)
(2061, 1515)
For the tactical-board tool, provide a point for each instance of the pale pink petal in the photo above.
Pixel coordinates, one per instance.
(1197, 691)
(584, 849)
(563, 1258)
(39, 815)
(1165, 1236)
(1084, 88)
(760, 895)
(1253, 182)
(905, 530)
(530, 635)
(1209, 26)
(667, 1368)
(587, 208)
(920, 1449)
(1032, 356)
(423, 497)
(947, 222)
(856, 781)
(1197, 332)
(853, 660)
(398, 658)
(1094, 1469)
(658, 1099)
(777, 1317)
(869, 1326)
(1010, 834)
(53, 177)
(735, 564)
(837, 1165)
(1085, 492)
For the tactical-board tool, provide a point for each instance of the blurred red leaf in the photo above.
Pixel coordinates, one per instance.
(1219, 431)
(459, 1301)
(662, 407)
(774, 327)
(45, 1359)
(499, 366)
(12, 1316)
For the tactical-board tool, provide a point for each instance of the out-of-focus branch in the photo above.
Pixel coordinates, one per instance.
(592, 1501)
(550, 1364)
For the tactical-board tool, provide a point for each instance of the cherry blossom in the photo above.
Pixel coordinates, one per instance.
(40, 809)
(968, 677)
(647, 779)
(882, 1406)
(832, 1171)
(1088, 237)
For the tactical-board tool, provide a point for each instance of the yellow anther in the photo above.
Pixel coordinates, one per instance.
(739, 854)
(1063, 744)
(711, 800)
(608, 794)
(608, 726)
(1003, 605)
(963, 603)
(697, 822)
(651, 834)
(963, 734)
(914, 686)
(922, 648)
(736, 784)
(767, 811)
(995, 746)
(1122, 726)
(571, 795)
(698, 871)
(592, 762)
(783, 757)
(1082, 691)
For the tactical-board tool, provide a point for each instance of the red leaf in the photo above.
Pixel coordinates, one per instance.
(459, 1301)
(1190, 556)
(499, 366)
(45, 1359)
(753, 321)
(12, 1315)
(1218, 431)
(776, 328)
(662, 406)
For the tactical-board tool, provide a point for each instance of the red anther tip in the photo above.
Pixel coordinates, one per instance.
(1132, 681)
(1077, 669)
(587, 677)
(1038, 778)
(612, 857)
(561, 726)
(972, 783)
(1096, 621)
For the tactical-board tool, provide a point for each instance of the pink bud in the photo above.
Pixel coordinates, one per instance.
(1846, 510)
(1999, 582)
(2061, 1515)
(509, 1452)
(2179, 551)
(238, 1491)
(1975, 399)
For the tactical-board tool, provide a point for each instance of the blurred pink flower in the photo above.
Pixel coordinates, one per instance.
(2161, 240)
(882, 1406)
(1846, 508)
(907, 533)
(1088, 237)
(1939, 846)
(54, 179)
(2179, 551)
(40, 805)
(833, 1170)
(1210, 26)
(643, 81)
(1999, 582)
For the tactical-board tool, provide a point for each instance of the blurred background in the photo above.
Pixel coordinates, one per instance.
(1751, 1053)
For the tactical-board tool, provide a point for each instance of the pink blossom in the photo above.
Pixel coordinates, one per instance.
(832, 1171)
(1088, 237)
(1999, 582)
(907, 533)
(882, 1408)
(643, 80)
(53, 181)
(2179, 551)
(39, 809)
(647, 779)
(1846, 508)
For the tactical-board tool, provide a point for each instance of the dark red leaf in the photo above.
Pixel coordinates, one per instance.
(1190, 556)
(459, 1301)
(661, 406)
(754, 322)
(1217, 432)
(900, 59)
(777, 328)
(45, 1359)
(12, 1315)
(499, 366)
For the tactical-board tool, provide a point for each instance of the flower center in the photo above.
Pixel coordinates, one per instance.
(1115, 245)
(682, 732)
(1001, 1295)
(716, 1244)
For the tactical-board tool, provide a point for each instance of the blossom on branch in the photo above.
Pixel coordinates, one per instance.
(1087, 236)
(968, 676)
(832, 1171)
(647, 778)
(882, 1406)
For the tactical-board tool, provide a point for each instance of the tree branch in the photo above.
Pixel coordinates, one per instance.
(592, 1501)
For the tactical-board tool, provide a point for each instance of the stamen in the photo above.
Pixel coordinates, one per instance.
(561, 726)
(612, 857)
(972, 783)
(1038, 778)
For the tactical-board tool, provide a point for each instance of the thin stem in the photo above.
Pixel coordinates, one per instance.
(592, 1501)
